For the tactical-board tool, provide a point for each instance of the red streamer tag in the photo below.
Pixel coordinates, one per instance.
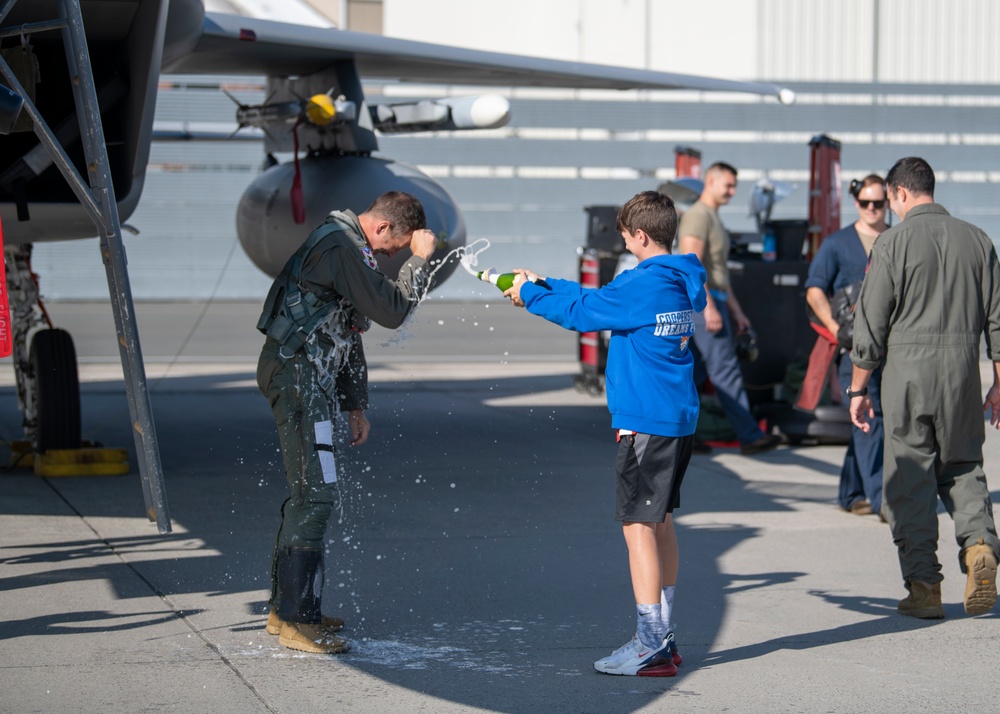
(6, 335)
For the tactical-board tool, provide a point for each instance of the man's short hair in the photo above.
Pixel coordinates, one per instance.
(912, 173)
(721, 166)
(404, 212)
(651, 212)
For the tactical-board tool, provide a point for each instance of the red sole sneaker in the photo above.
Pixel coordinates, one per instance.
(658, 668)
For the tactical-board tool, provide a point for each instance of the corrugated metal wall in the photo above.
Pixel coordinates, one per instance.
(832, 41)
(924, 41)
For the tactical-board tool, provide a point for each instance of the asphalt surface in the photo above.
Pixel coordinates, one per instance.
(474, 556)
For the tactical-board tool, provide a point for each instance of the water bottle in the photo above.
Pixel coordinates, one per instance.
(770, 252)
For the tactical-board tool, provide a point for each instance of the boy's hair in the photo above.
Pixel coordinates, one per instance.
(912, 173)
(651, 212)
(404, 212)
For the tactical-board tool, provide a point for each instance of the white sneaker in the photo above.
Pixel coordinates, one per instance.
(630, 658)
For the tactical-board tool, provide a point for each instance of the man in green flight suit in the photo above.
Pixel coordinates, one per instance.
(312, 368)
(931, 292)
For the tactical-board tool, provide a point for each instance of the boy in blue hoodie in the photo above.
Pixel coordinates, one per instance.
(653, 403)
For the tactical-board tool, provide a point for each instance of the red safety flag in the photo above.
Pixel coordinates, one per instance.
(6, 334)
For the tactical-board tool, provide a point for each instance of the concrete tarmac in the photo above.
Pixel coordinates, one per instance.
(474, 554)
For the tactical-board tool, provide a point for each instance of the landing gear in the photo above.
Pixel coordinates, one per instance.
(48, 385)
(57, 390)
(97, 197)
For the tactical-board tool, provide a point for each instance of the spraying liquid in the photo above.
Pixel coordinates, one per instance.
(468, 258)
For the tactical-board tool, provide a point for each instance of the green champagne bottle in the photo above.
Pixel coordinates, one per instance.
(504, 281)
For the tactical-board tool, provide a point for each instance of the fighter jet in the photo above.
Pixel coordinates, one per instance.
(75, 160)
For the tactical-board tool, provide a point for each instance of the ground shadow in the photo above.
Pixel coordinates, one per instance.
(472, 543)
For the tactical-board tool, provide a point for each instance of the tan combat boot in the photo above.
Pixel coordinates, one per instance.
(310, 638)
(924, 601)
(981, 586)
(273, 627)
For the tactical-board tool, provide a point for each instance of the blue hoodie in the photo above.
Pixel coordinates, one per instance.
(649, 309)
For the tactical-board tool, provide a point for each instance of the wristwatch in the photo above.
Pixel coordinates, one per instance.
(863, 392)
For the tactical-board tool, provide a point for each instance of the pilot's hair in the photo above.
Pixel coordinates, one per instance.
(721, 166)
(912, 173)
(651, 212)
(403, 211)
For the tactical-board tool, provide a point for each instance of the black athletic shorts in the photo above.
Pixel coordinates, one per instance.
(649, 470)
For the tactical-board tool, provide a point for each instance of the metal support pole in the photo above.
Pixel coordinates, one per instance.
(6, 7)
(113, 254)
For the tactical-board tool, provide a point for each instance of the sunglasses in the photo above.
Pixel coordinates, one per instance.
(871, 204)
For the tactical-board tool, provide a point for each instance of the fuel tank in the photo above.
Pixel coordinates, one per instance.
(269, 234)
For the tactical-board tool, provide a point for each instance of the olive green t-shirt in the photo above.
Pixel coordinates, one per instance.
(703, 223)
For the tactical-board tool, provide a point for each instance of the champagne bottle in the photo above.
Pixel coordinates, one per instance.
(504, 281)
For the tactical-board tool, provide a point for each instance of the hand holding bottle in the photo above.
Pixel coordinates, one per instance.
(510, 283)
(521, 275)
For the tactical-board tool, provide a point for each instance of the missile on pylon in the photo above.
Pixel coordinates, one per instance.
(487, 111)
(319, 110)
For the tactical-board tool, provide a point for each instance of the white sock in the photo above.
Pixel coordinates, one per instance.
(667, 606)
(650, 625)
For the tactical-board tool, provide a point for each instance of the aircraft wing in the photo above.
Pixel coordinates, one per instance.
(231, 44)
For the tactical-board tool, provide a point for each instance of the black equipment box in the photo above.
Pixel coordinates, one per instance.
(773, 296)
(602, 234)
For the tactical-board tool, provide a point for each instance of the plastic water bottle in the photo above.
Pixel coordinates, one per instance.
(770, 252)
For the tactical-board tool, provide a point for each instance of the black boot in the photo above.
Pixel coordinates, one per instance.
(300, 585)
(297, 603)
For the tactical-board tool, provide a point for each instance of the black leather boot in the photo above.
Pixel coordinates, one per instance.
(300, 585)
(297, 604)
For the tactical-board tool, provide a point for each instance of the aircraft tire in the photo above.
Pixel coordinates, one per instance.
(53, 359)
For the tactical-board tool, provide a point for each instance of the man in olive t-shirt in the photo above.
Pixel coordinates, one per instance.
(702, 233)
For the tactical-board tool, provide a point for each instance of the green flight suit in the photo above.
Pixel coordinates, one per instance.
(931, 292)
(339, 270)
